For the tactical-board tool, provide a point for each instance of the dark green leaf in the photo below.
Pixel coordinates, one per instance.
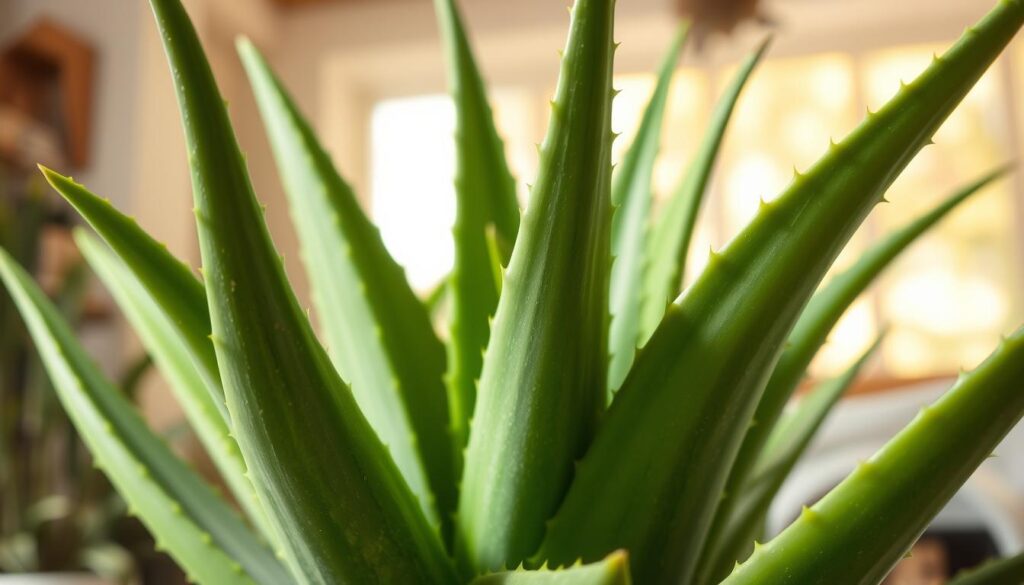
(188, 519)
(486, 199)
(732, 536)
(898, 491)
(819, 317)
(378, 332)
(543, 383)
(161, 340)
(338, 503)
(614, 570)
(673, 431)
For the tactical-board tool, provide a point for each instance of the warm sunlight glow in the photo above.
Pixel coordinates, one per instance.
(945, 301)
(413, 167)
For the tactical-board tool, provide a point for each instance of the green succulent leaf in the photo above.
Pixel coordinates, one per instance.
(900, 489)
(694, 387)
(378, 332)
(631, 198)
(189, 520)
(670, 238)
(169, 282)
(543, 383)
(338, 503)
(486, 200)
(731, 536)
(613, 570)
(820, 316)
(163, 342)
(1008, 571)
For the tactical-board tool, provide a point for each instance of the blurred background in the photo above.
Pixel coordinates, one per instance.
(84, 88)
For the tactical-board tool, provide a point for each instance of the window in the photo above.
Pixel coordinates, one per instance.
(945, 301)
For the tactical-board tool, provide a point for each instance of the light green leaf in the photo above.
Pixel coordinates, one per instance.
(631, 198)
(898, 491)
(670, 238)
(732, 535)
(613, 570)
(198, 529)
(378, 333)
(164, 343)
(338, 503)
(486, 199)
(695, 385)
(543, 383)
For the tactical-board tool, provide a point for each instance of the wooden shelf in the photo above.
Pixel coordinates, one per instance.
(46, 73)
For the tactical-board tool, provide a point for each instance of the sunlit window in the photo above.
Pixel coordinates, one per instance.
(946, 300)
(413, 193)
(413, 171)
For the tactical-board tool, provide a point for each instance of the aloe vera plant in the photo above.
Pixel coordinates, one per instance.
(540, 445)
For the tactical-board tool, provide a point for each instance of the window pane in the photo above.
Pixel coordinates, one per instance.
(412, 174)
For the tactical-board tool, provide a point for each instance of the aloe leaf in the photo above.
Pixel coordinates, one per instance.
(631, 198)
(198, 529)
(1006, 571)
(613, 570)
(670, 238)
(378, 332)
(695, 385)
(169, 281)
(486, 197)
(169, 297)
(543, 383)
(163, 342)
(820, 316)
(732, 536)
(900, 489)
(338, 503)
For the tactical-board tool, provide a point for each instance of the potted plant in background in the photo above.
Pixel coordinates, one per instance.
(60, 519)
(583, 409)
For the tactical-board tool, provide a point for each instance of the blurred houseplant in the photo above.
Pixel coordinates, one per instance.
(58, 513)
(377, 460)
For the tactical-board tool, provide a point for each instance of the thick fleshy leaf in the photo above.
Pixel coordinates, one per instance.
(543, 383)
(188, 519)
(1008, 571)
(613, 570)
(338, 503)
(169, 281)
(695, 385)
(670, 238)
(168, 310)
(163, 342)
(486, 199)
(732, 537)
(817, 320)
(901, 488)
(631, 198)
(378, 332)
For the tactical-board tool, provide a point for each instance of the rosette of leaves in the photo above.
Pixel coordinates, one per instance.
(586, 420)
